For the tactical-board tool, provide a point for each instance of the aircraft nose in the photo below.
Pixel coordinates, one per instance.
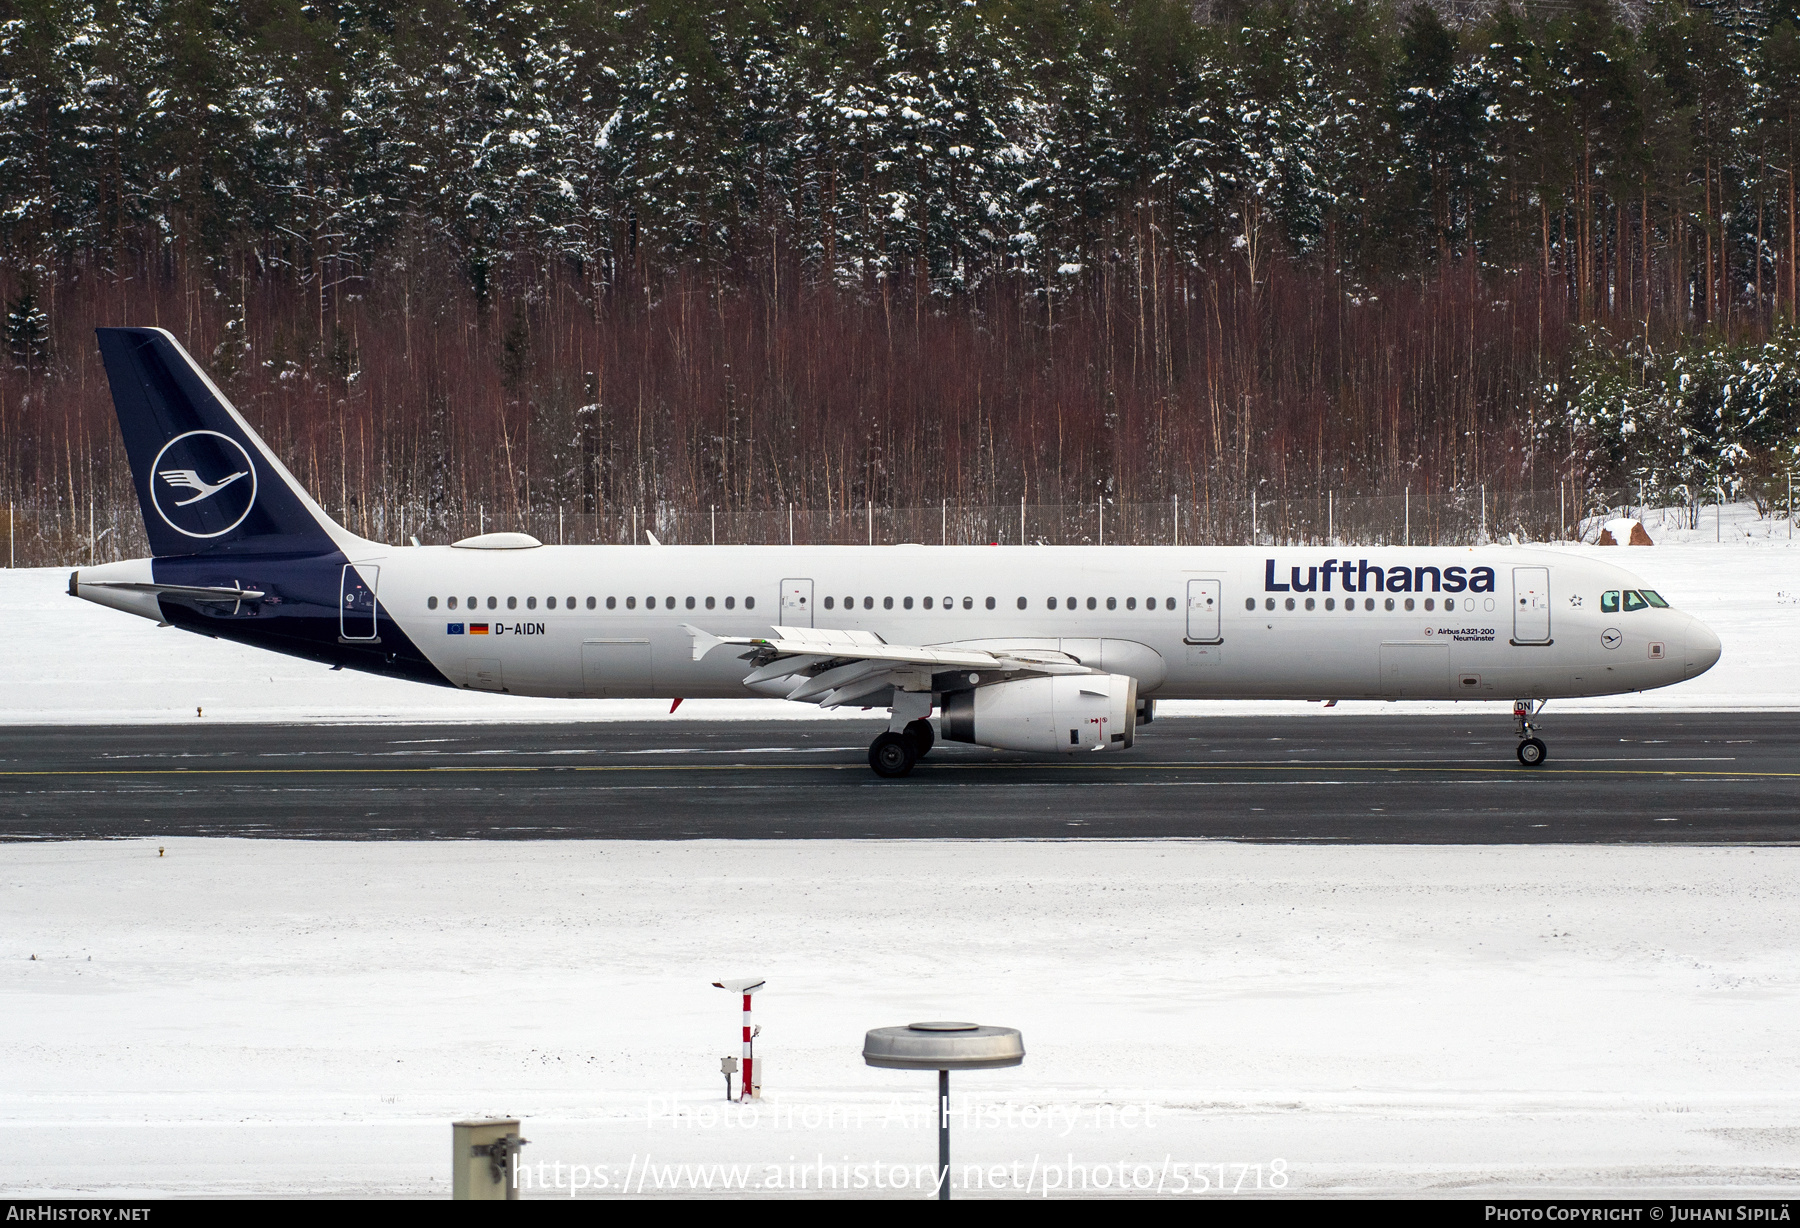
(1702, 648)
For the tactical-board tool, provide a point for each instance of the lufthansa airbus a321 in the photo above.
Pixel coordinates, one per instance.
(1050, 650)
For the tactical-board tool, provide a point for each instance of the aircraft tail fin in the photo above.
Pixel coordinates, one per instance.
(206, 482)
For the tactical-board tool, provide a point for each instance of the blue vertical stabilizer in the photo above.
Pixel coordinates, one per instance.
(206, 482)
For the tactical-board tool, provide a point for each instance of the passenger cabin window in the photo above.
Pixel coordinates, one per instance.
(690, 603)
(928, 603)
(1609, 602)
(550, 603)
(990, 603)
(1249, 603)
(828, 602)
(1310, 603)
(1131, 603)
(968, 603)
(749, 603)
(1290, 603)
(1051, 602)
(1633, 601)
(709, 603)
(906, 603)
(612, 603)
(1112, 603)
(493, 603)
(512, 603)
(730, 602)
(1331, 603)
(571, 603)
(591, 602)
(1270, 603)
(949, 603)
(530, 603)
(1071, 603)
(1171, 603)
(887, 603)
(1655, 600)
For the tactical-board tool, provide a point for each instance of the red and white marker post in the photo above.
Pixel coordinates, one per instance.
(748, 1087)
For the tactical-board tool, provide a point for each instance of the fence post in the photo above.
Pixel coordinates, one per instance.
(944, 523)
(12, 561)
(1177, 499)
(1331, 518)
(871, 522)
(715, 523)
(1021, 520)
(790, 524)
(1102, 506)
(1408, 539)
(1484, 535)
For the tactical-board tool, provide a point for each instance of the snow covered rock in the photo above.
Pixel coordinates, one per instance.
(1631, 532)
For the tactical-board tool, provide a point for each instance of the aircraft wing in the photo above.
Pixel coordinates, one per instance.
(831, 667)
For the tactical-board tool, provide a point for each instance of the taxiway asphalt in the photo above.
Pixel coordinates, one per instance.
(1640, 778)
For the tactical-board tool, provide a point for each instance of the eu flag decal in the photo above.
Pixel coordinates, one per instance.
(454, 629)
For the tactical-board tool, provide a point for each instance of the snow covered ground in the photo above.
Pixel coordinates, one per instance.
(286, 1018)
(76, 662)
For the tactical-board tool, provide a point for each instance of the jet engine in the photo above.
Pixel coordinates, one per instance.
(1061, 714)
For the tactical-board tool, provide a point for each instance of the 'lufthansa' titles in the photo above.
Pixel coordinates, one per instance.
(1362, 576)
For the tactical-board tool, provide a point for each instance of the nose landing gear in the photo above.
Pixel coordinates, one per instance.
(1532, 751)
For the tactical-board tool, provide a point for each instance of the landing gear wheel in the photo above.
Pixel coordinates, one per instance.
(892, 754)
(1532, 752)
(922, 737)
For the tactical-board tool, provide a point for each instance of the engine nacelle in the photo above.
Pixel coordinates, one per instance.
(1062, 714)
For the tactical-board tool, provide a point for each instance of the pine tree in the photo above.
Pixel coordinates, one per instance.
(27, 331)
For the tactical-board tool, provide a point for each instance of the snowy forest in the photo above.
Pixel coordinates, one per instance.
(475, 263)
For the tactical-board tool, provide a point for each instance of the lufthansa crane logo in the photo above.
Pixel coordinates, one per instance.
(203, 484)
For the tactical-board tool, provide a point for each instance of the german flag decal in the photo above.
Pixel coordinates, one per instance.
(478, 628)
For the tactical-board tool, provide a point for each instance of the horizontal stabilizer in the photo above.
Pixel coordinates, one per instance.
(179, 591)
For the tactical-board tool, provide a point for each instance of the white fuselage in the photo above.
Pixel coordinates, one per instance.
(1143, 611)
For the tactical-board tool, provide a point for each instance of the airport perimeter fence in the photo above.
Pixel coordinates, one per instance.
(55, 534)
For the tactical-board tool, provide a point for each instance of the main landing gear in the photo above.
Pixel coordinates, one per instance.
(894, 754)
(1532, 751)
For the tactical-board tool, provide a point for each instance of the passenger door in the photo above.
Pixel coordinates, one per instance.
(1203, 598)
(356, 604)
(796, 603)
(1531, 605)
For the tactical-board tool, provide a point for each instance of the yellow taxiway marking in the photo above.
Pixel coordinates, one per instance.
(840, 767)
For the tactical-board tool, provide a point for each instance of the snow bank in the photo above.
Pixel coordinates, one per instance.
(279, 1018)
(77, 662)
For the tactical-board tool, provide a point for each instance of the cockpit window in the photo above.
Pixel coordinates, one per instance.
(1609, 602)
(1655, 599)
(1633, 601)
